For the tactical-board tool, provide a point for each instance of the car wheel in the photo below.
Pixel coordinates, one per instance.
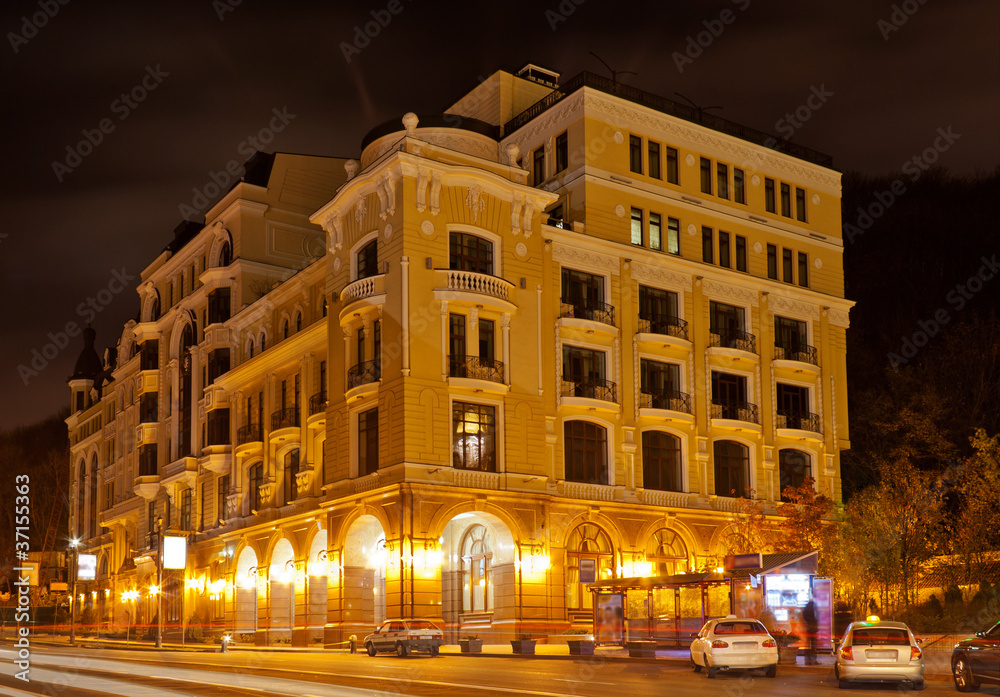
(370, 647)
(843, 684)
(434, 650)
(400, 649)
(697, 668)
(712, 672)
(772, 671)
(964, 682)
(918, 685)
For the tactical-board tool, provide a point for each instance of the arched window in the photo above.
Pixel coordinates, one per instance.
(732, 469)
(298, 321)
(324, 306)
(291, 469)
(477, 570)
(794, 467)
(284, 329)
(470, 253)
(184, 396)
(667, 553)
(226, 254)
(263, 342)
(367, 259)
(81, 500)
(586, 446)
(255, 476)
(589, 558)
(661, 461)
(250, 348)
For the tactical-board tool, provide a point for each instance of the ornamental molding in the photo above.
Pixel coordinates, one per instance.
(658, 274)
(839, 318)
(561, 113)
(475, 201)
(779, 304)
(754, 158)
(595, 260)
(722, 290)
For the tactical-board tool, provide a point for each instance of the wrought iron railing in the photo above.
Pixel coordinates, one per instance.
(802, 353)
(364, 373)
(476, 367)
(735, 339)
(737, 411)
(285, 418)
(249, 434)
(802, 420)
(665, 399)
(317, 403)
(591, 309)
(593, 388)
(665, 325)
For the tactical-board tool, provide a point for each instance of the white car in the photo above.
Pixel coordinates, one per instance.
(734, 643)
(878, 651)
(403, 636)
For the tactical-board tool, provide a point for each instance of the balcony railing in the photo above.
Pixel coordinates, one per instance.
(592, 388)
(592, 310)
(802, 353)
(666, 399)
(737, 411)
(802, 420)
(362, 288)
(317, 403)
(364, 373)
(476, 368)
(285, 418)
(665, 325)
(482, 283)
(735, 339)
(249, 434)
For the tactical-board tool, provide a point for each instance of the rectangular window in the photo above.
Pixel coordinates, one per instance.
(722, 178)
(673, 235)
(803, 269)
(791, 336)
(583, 374)
(772, 262)
(635, 154)
(367, 442)
(217, 432)
(222, 498)
(218, 364)
(786, 266)
(661, 461)
(706, 176)
(474, 426)
(637, 226)
(218, 305)
(707, 253)
(376, 351)
(359, 344)
(487, 340)
(562, 152)
(800, 204)
(672, 172)
(741, 253)
(538, 166)
(584, 291)
(659, 308)
(586, 456)
(724, 249)
(186, 510)
(456, 335)
(655, 235)
(291, 469)
(653, 153)
(769, 195)
(786, 200)
(660, 380)
(739, 188)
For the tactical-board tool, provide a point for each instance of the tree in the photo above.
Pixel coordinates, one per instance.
(804, 512)
(973, 531)
(748, 530)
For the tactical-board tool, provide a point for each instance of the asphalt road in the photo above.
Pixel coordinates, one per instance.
(99, 672)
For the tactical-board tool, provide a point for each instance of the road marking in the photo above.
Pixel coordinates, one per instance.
(589, 682)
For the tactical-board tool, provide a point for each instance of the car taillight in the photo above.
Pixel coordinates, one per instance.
(847, 653)
(769, 644)
(914, 653)
(720, 644)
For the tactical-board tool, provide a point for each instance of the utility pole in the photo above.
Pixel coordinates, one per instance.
(74, 546)
(159, 583)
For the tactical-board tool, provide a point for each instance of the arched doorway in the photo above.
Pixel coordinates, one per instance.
(589, 557)
(317, 569)
(477, 576)
(363, 579)
(245, 584)
(281, 583)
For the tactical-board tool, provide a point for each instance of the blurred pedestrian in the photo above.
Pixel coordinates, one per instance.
(812, 628)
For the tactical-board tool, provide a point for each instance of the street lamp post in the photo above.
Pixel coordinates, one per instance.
(159, 583)
(74, 545)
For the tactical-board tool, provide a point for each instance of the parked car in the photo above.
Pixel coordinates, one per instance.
(976, 660)
(879, 651)
(403, 636)
(734, 643)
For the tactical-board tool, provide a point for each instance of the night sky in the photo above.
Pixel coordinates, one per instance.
(172, 93)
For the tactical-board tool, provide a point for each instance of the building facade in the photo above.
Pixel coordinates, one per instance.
(547, 337)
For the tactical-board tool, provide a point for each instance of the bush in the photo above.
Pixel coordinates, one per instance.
(194, 632)
(933, 607)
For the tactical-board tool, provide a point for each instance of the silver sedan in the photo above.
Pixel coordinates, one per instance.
(877, 651)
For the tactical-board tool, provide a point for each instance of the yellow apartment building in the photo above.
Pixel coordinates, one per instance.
(543, 338)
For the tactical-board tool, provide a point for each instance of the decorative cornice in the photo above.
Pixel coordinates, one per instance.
(722, 290)
(658, 274)
(839, 318)
(574, 255)
(778, 303)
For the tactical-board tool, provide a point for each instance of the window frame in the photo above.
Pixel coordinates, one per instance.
(653, 159)
(647, 464)
(800, 204)
(672, 165)
(561, 152)
(739, 186)
(722, 180)
(747, 468)
(603, 450)
(770, 202)
(635, 154)
(496, 464)
(706, 176)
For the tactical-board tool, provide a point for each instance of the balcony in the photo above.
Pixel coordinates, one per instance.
(480, 284)
(317, 410)
(667, 400)
(735, 415)
(591, 388)
(364, 373)
(802, 424)
(363, 288)
(476, 368)
(251, 433)
(733, 339)
(285, 418)
(593, 311)
(803, 353)
(665, 326)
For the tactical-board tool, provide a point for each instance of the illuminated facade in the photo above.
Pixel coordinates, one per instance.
(547, 334)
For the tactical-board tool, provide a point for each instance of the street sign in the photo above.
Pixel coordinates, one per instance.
(743, 561)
